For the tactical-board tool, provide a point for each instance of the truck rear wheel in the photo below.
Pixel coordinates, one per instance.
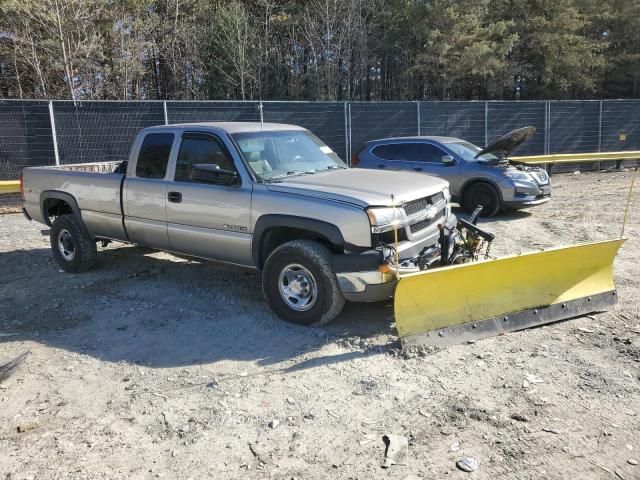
(299, 283)
(72, 247)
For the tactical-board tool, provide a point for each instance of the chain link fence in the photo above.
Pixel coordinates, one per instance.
(61, 132)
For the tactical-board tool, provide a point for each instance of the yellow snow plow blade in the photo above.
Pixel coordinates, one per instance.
(475, 300)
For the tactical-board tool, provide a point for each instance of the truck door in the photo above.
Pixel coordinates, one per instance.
(145, 192)
(206, 219)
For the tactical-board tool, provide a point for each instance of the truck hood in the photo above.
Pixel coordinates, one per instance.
(362, 187)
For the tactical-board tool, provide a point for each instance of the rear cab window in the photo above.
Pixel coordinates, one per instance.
(153, 157)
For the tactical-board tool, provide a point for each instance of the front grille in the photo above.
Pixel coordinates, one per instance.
(416, 206)
(421, 225)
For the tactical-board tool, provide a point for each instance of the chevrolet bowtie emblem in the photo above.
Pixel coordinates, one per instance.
(431, 212)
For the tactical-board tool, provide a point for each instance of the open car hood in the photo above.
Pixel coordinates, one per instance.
(504, 145)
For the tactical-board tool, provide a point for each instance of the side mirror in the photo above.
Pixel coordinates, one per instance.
(448, 160)
(212, 173)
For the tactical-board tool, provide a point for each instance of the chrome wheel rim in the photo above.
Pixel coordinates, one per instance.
(65, 245)
(298, 287)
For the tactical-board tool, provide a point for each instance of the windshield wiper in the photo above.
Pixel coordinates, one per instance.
(293, 173)
(335, 167)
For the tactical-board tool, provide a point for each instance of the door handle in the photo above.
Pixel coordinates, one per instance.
(174, 197)
(417, 169)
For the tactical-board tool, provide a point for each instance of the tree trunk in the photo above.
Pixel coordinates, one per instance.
(65, 59)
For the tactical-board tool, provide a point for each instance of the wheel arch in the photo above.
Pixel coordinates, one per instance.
(273, 230)
(62, 201)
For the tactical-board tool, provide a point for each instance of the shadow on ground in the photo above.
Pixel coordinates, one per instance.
(503, 215)
(151, 308)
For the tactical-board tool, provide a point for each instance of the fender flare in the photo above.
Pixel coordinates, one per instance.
(266, 222)
(66, 197)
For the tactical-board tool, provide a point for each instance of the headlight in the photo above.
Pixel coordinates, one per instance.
(384, 219)
(518, 175)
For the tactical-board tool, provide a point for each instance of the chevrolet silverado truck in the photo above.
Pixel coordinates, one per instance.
(270, 197)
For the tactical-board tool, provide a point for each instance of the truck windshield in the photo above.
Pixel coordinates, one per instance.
(278, 155)
(468, 152)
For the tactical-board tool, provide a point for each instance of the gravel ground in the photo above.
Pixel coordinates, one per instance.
(156, 366)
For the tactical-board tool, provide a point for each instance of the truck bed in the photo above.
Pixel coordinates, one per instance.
(95, 187)
(94, 167)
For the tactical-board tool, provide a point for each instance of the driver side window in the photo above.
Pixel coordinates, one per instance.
(198, 148)
(425, 152)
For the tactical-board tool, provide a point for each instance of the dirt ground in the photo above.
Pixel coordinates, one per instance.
(156, 366)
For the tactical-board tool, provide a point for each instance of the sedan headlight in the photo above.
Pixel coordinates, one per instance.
(518, 175)
(384, 219)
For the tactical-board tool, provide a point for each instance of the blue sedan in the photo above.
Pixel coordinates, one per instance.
(477, 176)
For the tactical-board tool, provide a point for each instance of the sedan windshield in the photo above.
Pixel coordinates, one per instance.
(278, 155)
(468, 152)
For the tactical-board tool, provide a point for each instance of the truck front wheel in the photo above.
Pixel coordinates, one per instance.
(72, 247)
(299, 284)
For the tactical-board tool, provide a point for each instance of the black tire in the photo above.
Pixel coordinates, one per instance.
(72, 247)
(314, 260)
(483, 194)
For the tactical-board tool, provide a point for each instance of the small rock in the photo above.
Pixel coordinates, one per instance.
(274, 423)
(632, 461)
(519, 418)
(454, 447)
(396, 450)
(550, 430)
(629, 447)
(468, 464)
(69, 368)
(531, 378)
(26, 427)
(291, 401)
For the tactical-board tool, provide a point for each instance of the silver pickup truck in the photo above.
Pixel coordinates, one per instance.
(266, 196)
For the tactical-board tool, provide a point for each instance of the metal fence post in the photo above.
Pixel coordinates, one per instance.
(547, 126)
(260, 112)
(350, 146)
(346, 135)
(486, 123)
(598, 165)
(166, 117)
(418, 111)
(54, 136)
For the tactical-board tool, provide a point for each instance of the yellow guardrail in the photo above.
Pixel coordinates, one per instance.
(577, 157)
(9, 186)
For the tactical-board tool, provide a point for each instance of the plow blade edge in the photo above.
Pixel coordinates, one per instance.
(467, 302)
